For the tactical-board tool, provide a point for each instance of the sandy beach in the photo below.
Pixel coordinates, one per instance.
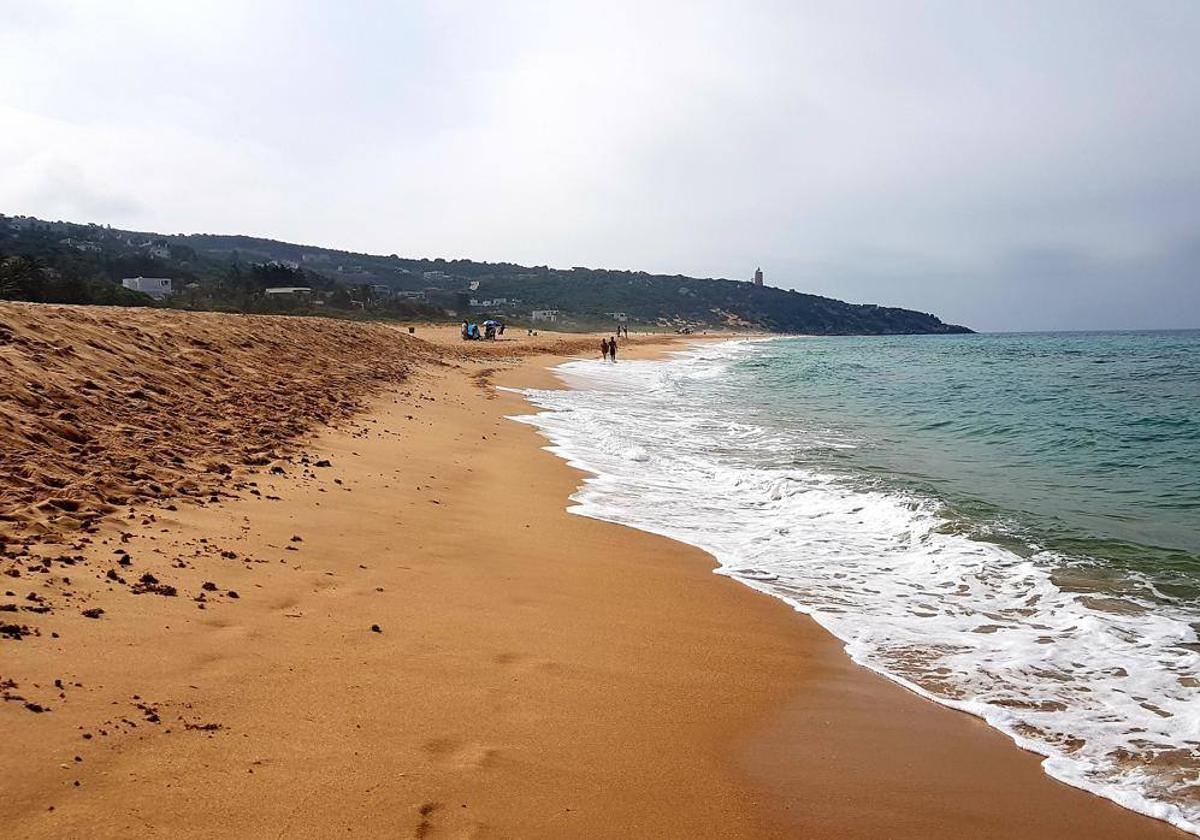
(277, 577)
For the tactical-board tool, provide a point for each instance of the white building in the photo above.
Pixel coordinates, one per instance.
(279, 291)
(81, 245)
(544, 315)
(157, 287)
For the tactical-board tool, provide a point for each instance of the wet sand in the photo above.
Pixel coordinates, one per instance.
(402, 633)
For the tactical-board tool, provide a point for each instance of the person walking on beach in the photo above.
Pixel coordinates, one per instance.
(604, 348)
(612, 349)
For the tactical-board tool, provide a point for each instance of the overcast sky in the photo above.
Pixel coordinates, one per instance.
(1006, 165)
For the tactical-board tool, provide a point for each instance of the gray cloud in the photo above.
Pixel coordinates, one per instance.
(1019, 165)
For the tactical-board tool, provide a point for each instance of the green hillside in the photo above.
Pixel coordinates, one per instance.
(67, 262)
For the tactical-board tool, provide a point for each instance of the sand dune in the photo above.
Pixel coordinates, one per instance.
(109, 407)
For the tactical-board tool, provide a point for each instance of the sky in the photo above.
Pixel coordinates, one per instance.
(1005, 165)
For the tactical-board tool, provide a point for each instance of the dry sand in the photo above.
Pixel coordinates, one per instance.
(534, 673)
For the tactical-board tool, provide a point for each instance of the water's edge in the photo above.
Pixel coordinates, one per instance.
(1052, 766)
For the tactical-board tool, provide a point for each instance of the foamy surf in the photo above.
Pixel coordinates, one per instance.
(1106, 688)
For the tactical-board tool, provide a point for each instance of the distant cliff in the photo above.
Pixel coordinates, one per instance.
(71, 263)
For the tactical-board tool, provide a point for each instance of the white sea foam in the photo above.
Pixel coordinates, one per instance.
(1108, 690)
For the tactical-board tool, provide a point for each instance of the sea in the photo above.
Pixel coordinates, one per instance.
(1006, 524)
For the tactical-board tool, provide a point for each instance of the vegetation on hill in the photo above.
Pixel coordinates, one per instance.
(65, 262)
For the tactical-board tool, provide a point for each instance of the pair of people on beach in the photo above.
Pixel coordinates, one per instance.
(623, 330)
(608, 347)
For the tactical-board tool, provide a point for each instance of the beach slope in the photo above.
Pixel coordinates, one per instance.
(391, 627)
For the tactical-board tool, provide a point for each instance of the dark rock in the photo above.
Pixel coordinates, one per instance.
(14, 631)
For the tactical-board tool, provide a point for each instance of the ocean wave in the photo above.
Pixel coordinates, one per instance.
(1102, 680)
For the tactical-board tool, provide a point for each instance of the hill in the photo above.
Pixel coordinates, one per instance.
(64, 262)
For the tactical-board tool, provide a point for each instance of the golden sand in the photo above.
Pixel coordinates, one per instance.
(392, 628)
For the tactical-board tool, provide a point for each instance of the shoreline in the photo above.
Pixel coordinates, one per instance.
(534, 673)
(617, 506)
(764, 759)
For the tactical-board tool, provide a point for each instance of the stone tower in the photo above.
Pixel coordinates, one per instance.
(758, 277)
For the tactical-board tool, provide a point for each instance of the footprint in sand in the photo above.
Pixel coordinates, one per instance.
(521, 663)
(460, 755)
(285, 602)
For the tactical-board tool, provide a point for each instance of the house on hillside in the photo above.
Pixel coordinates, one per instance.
(157, 287)
(549, 315)
(285, 291)
(81, 245)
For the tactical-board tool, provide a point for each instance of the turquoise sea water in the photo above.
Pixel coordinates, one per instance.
(1084, 443)
(1006, 524)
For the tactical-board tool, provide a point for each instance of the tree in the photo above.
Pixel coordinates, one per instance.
(20, 279)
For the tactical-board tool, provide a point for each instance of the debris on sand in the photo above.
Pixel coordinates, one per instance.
(148, 583)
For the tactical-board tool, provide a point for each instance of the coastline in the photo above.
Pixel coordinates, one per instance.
(536, 673)
(883, 760)
(631, 432)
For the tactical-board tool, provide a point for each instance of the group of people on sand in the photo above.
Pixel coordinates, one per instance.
(470, 331)
(608, 347)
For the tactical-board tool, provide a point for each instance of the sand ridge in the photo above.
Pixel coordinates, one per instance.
(110, 407)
